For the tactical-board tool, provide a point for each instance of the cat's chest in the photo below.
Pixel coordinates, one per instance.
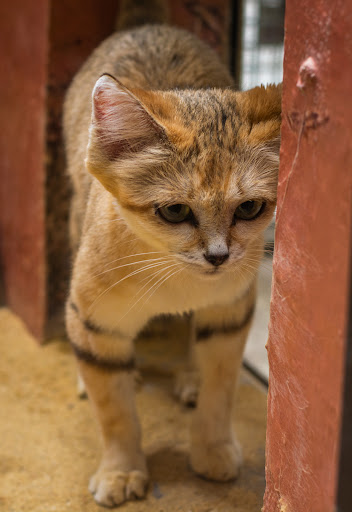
(131, 306)
(182, 293)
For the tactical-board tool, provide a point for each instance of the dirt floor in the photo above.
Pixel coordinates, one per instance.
(49, 446)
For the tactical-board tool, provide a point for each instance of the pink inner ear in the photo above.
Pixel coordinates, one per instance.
(103, 102)
(121, 123)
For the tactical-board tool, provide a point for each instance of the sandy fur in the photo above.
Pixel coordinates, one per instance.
(166, 128)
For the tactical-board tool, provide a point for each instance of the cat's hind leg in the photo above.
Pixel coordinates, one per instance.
(187, 379)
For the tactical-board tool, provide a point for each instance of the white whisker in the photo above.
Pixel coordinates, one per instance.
(163, 279)
(135, 303)
(131, 263)
(143, 269)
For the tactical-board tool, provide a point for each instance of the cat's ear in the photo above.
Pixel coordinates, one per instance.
(260, 112)
(121, 123)
(122, 131)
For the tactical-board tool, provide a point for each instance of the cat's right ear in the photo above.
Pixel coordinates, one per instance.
(120, 122)
(123, 133)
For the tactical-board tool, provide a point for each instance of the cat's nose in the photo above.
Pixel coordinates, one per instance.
(216, 258)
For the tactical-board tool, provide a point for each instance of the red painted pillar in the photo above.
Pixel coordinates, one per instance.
(23, 57)
(306, 345)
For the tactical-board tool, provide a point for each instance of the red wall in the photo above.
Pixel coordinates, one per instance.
(23, 58)
(311, 262)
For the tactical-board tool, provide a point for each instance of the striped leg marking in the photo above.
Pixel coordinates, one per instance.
(105, 360)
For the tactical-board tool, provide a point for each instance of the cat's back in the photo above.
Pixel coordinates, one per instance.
(154, 57)
(158, 57)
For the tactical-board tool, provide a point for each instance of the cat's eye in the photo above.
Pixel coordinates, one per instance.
(175, 213)
(249, 210)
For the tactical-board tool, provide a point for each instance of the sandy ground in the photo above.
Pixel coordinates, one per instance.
(49, 446)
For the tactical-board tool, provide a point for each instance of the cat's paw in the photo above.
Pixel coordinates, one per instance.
(111, 487)
(217, 461)
(187, 387)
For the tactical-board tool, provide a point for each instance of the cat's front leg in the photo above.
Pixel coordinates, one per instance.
(221, 332)
(106, 363)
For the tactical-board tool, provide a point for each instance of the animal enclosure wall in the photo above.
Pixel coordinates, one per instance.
(309, 307)
(23, 49)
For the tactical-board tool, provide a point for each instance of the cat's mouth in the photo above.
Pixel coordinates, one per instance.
(211, 272)
(204, 270)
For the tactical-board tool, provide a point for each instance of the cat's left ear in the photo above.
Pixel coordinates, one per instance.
(123, 133)
(260, 111)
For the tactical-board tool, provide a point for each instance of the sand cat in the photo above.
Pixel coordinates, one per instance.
(174, 178)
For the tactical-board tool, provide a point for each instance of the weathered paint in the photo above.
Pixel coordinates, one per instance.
(23, 49)
(311, 262)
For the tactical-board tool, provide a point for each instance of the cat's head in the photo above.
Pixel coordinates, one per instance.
(194, 171)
